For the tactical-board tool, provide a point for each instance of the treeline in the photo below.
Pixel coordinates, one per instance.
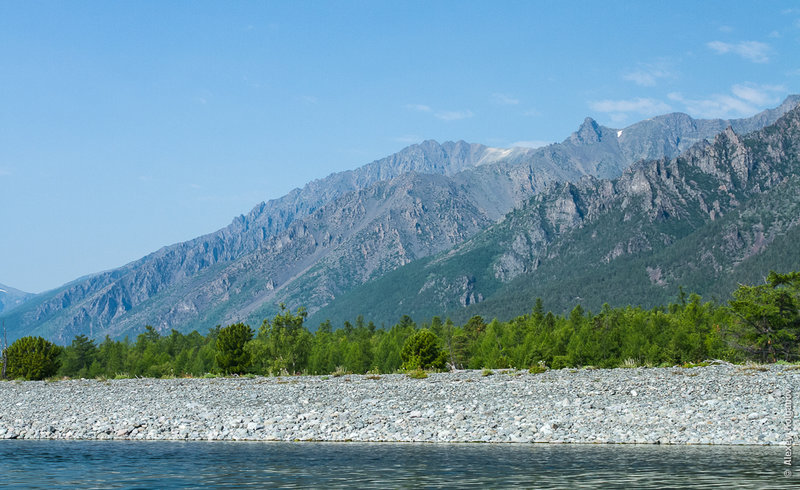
(760, 323)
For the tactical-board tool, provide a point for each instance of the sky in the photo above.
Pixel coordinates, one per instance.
(126, 126)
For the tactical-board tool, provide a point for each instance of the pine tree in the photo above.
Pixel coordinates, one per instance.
(33, 358)
(232, 357)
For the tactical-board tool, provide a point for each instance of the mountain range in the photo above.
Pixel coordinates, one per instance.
(10, 298)
(722, 213)
(454, 228)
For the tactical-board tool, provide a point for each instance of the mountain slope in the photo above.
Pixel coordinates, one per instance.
(11, 298)
(722, 212)
(317, 243)
(100, 301)
(363, 235)
(500, 187)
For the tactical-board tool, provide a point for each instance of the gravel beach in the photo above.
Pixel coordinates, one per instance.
(718, 404)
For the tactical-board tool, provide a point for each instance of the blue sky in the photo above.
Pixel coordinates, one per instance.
(126, 126)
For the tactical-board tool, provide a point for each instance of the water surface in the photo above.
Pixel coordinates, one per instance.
(133, 464)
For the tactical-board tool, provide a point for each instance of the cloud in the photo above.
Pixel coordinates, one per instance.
(643, 106)
(758, 94)
(754, 51)
(743, 100)
(443, 115)
(725, 29)
(4, 172)
(715, 106)
(408, 139)
(504, 99)
(530, 143)
(309, 99)
(648, 74)
(419, 107)
(453, 115)
(642, 78)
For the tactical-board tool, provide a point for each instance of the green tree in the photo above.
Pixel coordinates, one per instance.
(406, 321)
(421, 350)
(359, 353)
(232, 357)
(437, 327)
(489, 352)
(321, 357)
(111, 355)
(538, 310)
(387, 353)
(79, 356)
(287, 342)
(768, 321)
(33, 358)
(474, 327)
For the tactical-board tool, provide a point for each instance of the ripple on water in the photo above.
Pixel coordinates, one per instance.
(240, 464)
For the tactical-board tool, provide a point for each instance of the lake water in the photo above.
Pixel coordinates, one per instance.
(53, 464)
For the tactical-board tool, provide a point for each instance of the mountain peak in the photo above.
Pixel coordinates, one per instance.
(790, 102)
(588, 132)
(11, 298)
(428, 143)
(321, 241)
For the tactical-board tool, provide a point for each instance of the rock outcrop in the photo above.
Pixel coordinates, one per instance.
(318, 243)
(723, 211)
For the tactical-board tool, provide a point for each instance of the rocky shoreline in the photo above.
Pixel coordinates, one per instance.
(718, 404)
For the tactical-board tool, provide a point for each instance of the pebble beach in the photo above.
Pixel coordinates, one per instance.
(718, 404)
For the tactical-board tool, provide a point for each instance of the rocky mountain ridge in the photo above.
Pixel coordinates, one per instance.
(10, 298)
(722, 211)
(319, 242)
